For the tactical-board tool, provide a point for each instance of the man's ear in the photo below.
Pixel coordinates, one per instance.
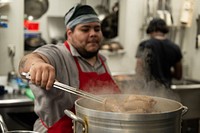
(68, 33)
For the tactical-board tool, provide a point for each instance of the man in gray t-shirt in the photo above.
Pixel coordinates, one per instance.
(76, 63)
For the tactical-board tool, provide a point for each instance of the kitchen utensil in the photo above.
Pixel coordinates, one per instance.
(90, 118)
(80, 93)
(108, 103)
(103, 9)
(3, 129)
(35, 8)
(72, 90)
(110, 23)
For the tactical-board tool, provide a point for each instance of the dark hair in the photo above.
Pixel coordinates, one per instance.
(72, 29)
(157, 24)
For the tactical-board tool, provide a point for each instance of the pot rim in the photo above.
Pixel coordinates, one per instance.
(128, 116)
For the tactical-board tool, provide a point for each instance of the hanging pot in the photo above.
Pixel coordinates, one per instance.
(110, 24)
(35, 8)
(103, 9)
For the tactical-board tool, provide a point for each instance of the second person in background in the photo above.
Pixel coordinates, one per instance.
(158, 58)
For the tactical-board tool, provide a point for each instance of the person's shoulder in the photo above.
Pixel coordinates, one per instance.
(57, 48)
(173, 44)
(143, 43)
(149, 42)
(60, 45)
(155, 40)
(49, 45)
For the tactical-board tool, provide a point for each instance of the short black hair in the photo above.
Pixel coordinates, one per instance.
(72, 29)
(157, 24)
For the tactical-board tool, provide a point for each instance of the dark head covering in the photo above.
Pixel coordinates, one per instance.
(157, 24)
(80, 14)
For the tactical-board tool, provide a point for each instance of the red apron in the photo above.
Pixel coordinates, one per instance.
(87, 80)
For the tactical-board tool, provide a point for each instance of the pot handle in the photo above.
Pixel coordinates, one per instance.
(76, 119)
(184, 111)
(2, 127)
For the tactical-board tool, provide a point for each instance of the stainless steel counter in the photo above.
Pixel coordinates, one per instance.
(17, 111)
(189, 92)
(7, 100)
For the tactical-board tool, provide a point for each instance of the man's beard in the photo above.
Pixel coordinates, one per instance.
(85, 54)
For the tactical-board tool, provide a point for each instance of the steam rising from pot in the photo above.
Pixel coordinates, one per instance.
(151, 88)
(143, 83)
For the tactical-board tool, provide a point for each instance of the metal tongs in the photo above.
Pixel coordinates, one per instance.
(70, 89)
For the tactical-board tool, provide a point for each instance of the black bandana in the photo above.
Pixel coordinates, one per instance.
(80, 14)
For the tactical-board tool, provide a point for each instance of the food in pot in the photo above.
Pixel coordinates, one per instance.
(111, 104)
(131, 104)
(139, 104)
(97, 120)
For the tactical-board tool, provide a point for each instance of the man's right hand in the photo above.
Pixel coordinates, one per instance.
(42, 74)
(39, 68)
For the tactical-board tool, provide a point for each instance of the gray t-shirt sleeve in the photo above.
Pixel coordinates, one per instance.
(61, 59)
(54, 102)
(53, 54)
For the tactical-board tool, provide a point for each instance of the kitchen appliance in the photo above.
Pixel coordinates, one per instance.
(17, 112)
(90, 119)
(4, 130)
(189, 92)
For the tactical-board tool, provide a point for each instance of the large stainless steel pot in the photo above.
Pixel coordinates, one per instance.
(90, 118)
